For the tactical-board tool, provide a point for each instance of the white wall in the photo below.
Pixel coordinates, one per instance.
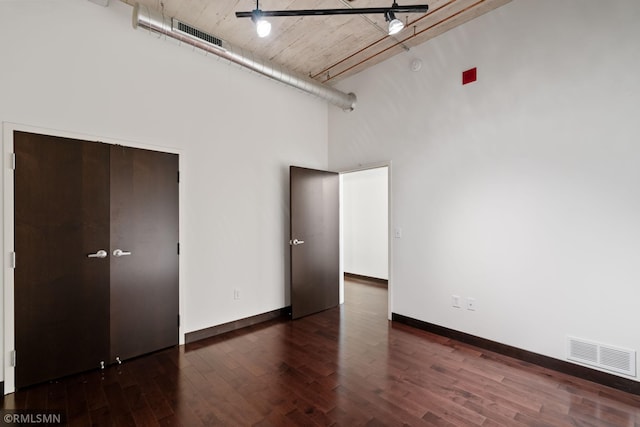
(74, 66)
(521, 190)
(365, 222)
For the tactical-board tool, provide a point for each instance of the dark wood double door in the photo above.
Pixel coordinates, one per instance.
(96, 242)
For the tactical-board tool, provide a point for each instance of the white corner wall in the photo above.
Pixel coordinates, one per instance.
(520, 190)
(71, 65)
(365, 225)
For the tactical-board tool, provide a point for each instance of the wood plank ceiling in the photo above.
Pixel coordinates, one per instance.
(326, 48)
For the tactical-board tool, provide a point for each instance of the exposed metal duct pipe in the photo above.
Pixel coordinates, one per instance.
(156, 22)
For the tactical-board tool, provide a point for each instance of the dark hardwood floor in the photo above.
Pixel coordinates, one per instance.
(346, 366)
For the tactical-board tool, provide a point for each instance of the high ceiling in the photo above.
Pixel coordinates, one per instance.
(326, 48)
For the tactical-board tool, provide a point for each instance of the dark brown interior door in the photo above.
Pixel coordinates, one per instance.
(144, 226)
(61, 294)
(315, 258)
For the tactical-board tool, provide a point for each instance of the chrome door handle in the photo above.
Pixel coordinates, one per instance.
(296, 242)
(100, 254)
(119, 252)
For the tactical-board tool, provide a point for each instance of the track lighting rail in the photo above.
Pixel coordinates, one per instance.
(345, 11)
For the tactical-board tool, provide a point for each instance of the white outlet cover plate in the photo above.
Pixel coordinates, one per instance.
(471, 304)
(455, 301)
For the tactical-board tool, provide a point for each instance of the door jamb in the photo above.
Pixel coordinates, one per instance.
(359, 168)
(8, 296)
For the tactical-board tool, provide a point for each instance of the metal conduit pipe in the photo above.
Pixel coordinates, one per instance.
(156, 22)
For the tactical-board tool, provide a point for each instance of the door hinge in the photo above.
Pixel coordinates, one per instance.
(12, 161)
(178, 248)
(12, 260)
(178, 176)
(178, 320)
(12, 358)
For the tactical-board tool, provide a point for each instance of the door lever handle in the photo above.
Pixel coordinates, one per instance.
(100, 254)
(119, 252)
(296, 242)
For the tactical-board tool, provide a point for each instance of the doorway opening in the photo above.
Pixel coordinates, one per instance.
(365, 227)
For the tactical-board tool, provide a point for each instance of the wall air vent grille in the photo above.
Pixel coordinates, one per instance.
(603, 356)
(584, 351)
(194, 32)
(613, 358)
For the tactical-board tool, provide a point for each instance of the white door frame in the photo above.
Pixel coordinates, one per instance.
(360, 168)
(7, 319)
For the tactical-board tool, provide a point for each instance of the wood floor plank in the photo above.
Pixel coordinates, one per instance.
(77, 412)
(347, 366)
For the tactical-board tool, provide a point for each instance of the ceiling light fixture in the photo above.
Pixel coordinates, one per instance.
(395, 24)
(263, 27)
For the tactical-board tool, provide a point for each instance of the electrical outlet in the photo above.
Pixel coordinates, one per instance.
(455, 301)
(236, 294)
(471, 304)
